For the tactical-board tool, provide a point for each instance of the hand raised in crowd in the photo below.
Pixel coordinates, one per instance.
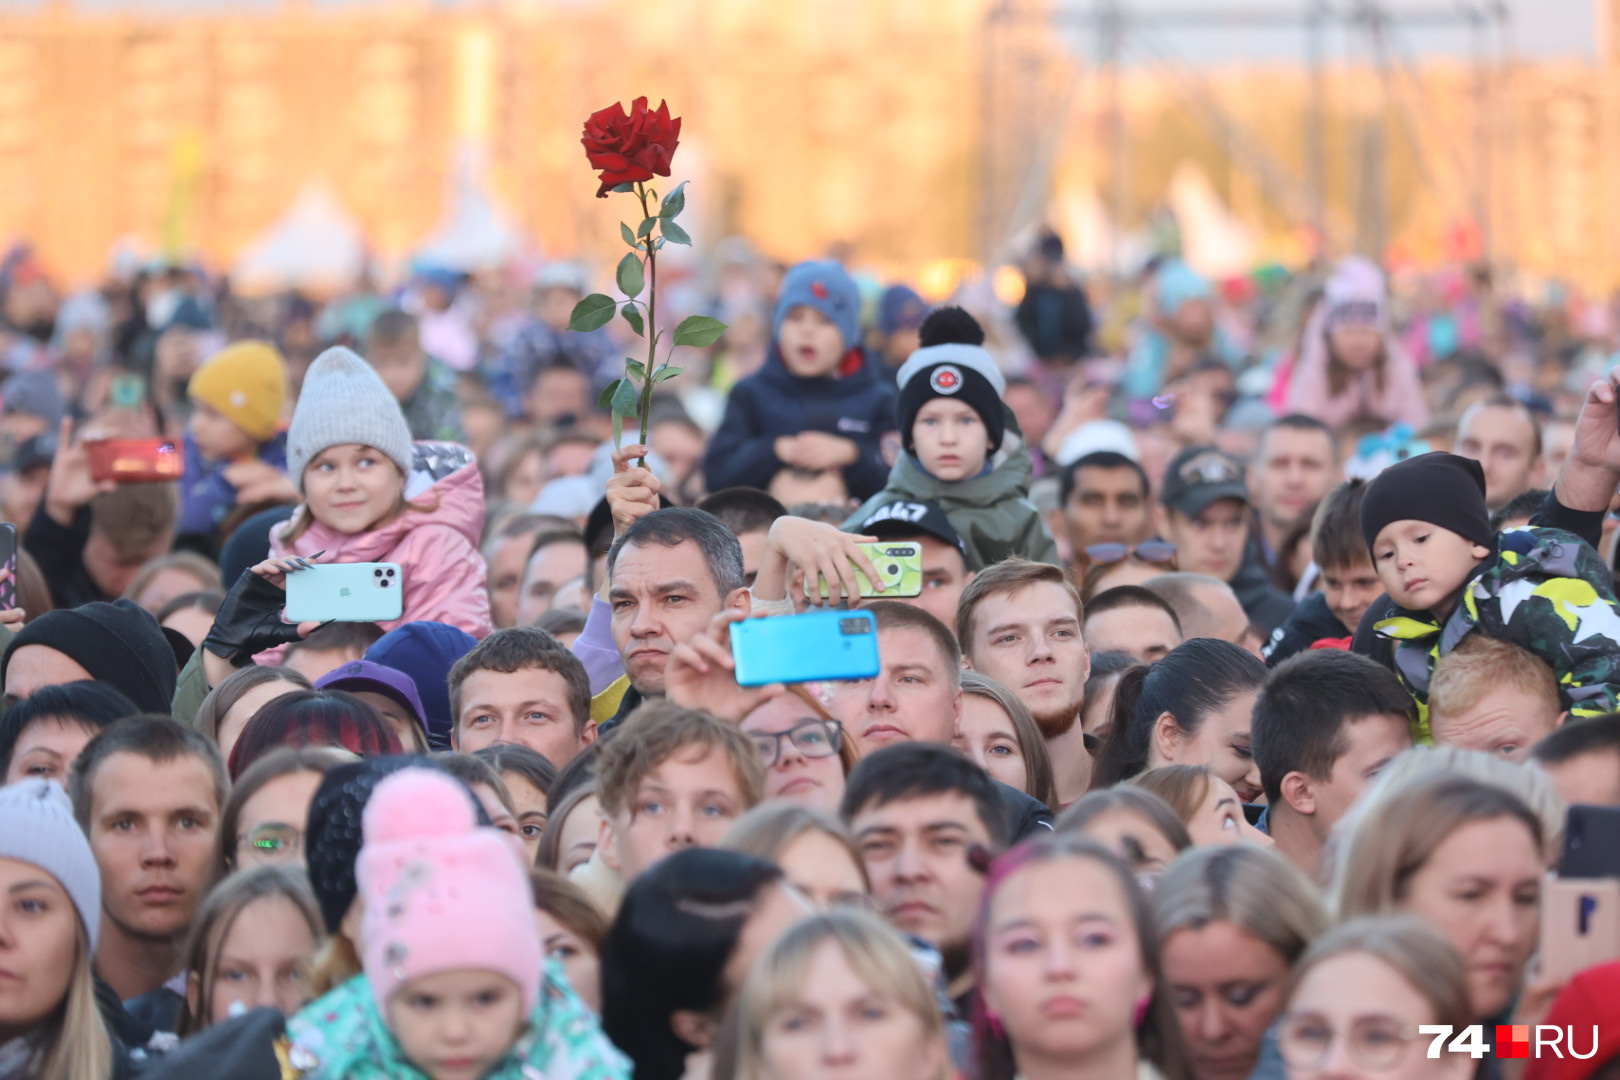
(819, 550)
(701, 674)
(260, 482)
(1084, 400)
(11, 619)
(1591, 472)
(250, 620)
(818, 451)
(70, 487)
(632, 490)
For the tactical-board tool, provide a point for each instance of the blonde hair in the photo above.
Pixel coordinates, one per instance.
(1397, 837)
(1252, 888)
(879, 958)
(1184, 787)
(1410, 947)
(1479, 666)
(206, 573)
(77, 1045)
(771, 828)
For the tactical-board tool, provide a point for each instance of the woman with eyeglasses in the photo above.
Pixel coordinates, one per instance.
(805, 753)
(264, 818)
(814, 850)
(1108, 565)
(1360, 995)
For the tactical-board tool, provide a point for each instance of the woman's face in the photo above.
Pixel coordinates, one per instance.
(39, 945)
(779, 907)
(1482, 889)
(579, 961)
(261, 960)
(167, 584)
(823, 870)
(237, 716)
(1227, 987)
(1062, 963)
(579, 832)
(839, 1026)
(1219, 818)
(1222, 745)
(270, 828)
(1353, 1017)
(987, 735)
(523, 483)
(1133, 838)
(1097, 715)
(502, 819)
(531, 809)
(47, 749)
(816, 782)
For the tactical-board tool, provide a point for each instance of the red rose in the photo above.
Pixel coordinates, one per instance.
(630, 148)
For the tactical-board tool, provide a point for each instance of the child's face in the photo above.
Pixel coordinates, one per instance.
(1350, 590)
(217, 437)
(1356, 345)
(810, 342)
(689, 800)
(455, 1025)
(951, 440)
(1423, 566)
(351, 488)
(261, 958)
(400, 364)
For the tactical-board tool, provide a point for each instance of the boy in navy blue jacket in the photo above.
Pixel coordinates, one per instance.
(816, 405)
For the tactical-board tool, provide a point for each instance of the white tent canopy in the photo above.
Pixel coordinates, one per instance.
(315, 244)
(474, 234)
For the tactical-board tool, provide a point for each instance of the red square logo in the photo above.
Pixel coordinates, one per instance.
(1512, 1041)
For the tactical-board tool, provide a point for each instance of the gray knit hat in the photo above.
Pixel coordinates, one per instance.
(37, 826)
(344, 401)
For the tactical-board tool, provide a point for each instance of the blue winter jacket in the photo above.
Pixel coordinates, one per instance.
(772, 403)
(205, 495)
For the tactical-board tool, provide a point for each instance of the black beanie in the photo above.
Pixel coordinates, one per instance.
(120, 644)
(1443, 489)
(965, 372)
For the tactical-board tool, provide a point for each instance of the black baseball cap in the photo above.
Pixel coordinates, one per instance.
(1201, 475)
(899, 520)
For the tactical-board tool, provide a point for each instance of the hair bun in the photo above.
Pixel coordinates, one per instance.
(418, 804)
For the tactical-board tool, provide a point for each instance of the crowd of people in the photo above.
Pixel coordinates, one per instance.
(1266, 631)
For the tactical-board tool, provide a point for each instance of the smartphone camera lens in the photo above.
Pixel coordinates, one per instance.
(389, 572)
(892, 570)
(377, 573)
(854, 626)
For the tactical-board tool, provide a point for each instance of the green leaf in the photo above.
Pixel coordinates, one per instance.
(633, 317)
(666, 372)
(618, 431)
(675, 234)
(629, 237)
(605, 398)
(593, 312)
(624, 398)
(699, 331)
(637, 369)
(646, 227)
(674, 202)
(630, 276)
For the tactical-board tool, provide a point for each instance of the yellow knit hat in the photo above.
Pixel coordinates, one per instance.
(247, 382)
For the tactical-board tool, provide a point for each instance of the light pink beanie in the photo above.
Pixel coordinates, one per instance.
(442, 894)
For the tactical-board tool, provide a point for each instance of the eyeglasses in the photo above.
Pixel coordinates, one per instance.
(271, 844)
(1374, 1042)
(1157, 552)
(810, 737)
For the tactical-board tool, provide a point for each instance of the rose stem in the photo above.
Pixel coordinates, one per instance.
(652, 324)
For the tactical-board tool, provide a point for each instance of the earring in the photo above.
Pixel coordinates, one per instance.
(1142, 1004)
(993, 1018)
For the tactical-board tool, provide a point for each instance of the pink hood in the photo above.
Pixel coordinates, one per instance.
(436, 547)
(1310, 392)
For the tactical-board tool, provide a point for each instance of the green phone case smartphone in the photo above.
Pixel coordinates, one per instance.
(805, 648)
(899, 567)
(346, 592)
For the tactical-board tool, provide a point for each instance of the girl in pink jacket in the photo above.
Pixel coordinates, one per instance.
(370, 495)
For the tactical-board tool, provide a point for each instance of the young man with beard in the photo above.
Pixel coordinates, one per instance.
(1020, 623)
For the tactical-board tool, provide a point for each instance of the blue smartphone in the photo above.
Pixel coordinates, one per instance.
(805, 648)
(346, 592)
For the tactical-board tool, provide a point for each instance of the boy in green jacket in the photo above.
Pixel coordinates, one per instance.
(961, 451)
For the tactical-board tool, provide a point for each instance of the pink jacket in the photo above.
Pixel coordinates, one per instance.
(436, 549)
(1309, 391)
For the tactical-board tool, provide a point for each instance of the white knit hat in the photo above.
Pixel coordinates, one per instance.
(37, 827)
(344, 401)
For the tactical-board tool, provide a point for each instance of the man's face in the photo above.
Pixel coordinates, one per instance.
(913, 698)
(1296, 468)
(689, 800)
(944, 576)
(1210, 541)
(111, 569)
(21, 492)
(1107, 506)
(1592, 778)
(661, 596)
(753, 549)
(1370, 742)
(400, 364)
(1503, 441)
(1146, 633)
(915, 852)
(548, 569)
(1507, 722)
(1350, 591)
(152, 827)
(505, 574)
(1029, 640)
(529, 707)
